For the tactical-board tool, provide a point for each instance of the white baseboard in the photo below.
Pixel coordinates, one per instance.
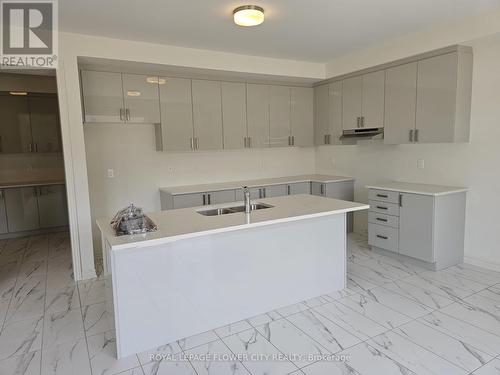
(88, 274)
(482, 263)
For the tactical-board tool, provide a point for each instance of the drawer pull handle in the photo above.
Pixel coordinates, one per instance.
(382, 195)
(383, 237)
(380, 219)
(382, 208)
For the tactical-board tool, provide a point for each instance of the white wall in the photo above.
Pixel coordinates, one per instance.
(475, 164)
(140, 170)
(71, 47)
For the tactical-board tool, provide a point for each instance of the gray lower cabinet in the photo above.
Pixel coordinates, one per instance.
(338, 190)
(427, 228)
(52, 206)
(299, 188)
(32, 208)
(196, 199)
(3, 214)
(22, 209)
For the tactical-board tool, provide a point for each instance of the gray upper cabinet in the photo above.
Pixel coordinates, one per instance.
(352, 94)
(44, 122)
(301, 116)
(321, 119)
(3, 214)
(372, 115)
(234, 114)
(279, 116)
(15, 134)
(363, 101)
(400, 103)
(102, 97)
(176, 131)
(140, 93)
(443, 98)
(335, 112)
(29, 123)
(207, 115)
(258, 115)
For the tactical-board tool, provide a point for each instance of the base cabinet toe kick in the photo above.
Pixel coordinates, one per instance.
(427, 229)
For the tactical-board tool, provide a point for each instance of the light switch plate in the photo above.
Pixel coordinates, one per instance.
(111, 173)
(420, 163)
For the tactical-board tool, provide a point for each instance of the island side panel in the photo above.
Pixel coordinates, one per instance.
(194, 285)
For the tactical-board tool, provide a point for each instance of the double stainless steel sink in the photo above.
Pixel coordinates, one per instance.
(232, 210)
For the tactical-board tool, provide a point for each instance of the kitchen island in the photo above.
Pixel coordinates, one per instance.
(198, 272)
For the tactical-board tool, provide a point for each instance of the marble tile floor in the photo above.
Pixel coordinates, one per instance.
(393, 318)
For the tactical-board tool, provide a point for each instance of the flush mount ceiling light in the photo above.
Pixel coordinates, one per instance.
(248, 15)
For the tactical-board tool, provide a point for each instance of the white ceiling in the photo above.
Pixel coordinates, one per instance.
(309, 30)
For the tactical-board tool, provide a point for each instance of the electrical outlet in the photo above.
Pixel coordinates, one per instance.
(420, 163)
(111, 173)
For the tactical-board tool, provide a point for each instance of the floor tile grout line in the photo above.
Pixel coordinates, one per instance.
(227, 346)
(18, 271)
(436, 354)
(44, 313)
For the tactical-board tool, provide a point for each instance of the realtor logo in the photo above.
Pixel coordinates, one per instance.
(29, 34)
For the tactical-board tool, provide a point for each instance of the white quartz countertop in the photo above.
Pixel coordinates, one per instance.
(425, 189)
(202, 188)
(184, 223)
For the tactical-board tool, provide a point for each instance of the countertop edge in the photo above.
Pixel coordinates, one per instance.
(412, 191)
(159, 241)
(172, 189)
(41, 183)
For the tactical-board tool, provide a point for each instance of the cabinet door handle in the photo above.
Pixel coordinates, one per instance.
(209, 199)
(260, 193)
(204, 200)
(400, 200)
(382, 208)
(383, 237)
(30, 147)
(127, 114)
(293, 140)
(322, 189)
(324, 139)
(416, 135)
(288, 190)
(192, 143)
(381, 219)
(1, 195)
(245, 140)
(121, 114)
(249, 142)
(362, 121)
(36, 146)
(328, 137)
(264, 192)
(382, 195)
(411, 135)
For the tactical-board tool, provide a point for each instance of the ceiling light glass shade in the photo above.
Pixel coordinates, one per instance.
(133, 93)
(248, 15)
(18, 93)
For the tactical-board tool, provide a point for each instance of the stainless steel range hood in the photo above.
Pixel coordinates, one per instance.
(361, 133)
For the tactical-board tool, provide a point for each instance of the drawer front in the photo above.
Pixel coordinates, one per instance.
(382, 219)
(383, 196)
(383, 237)
(384, 208)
